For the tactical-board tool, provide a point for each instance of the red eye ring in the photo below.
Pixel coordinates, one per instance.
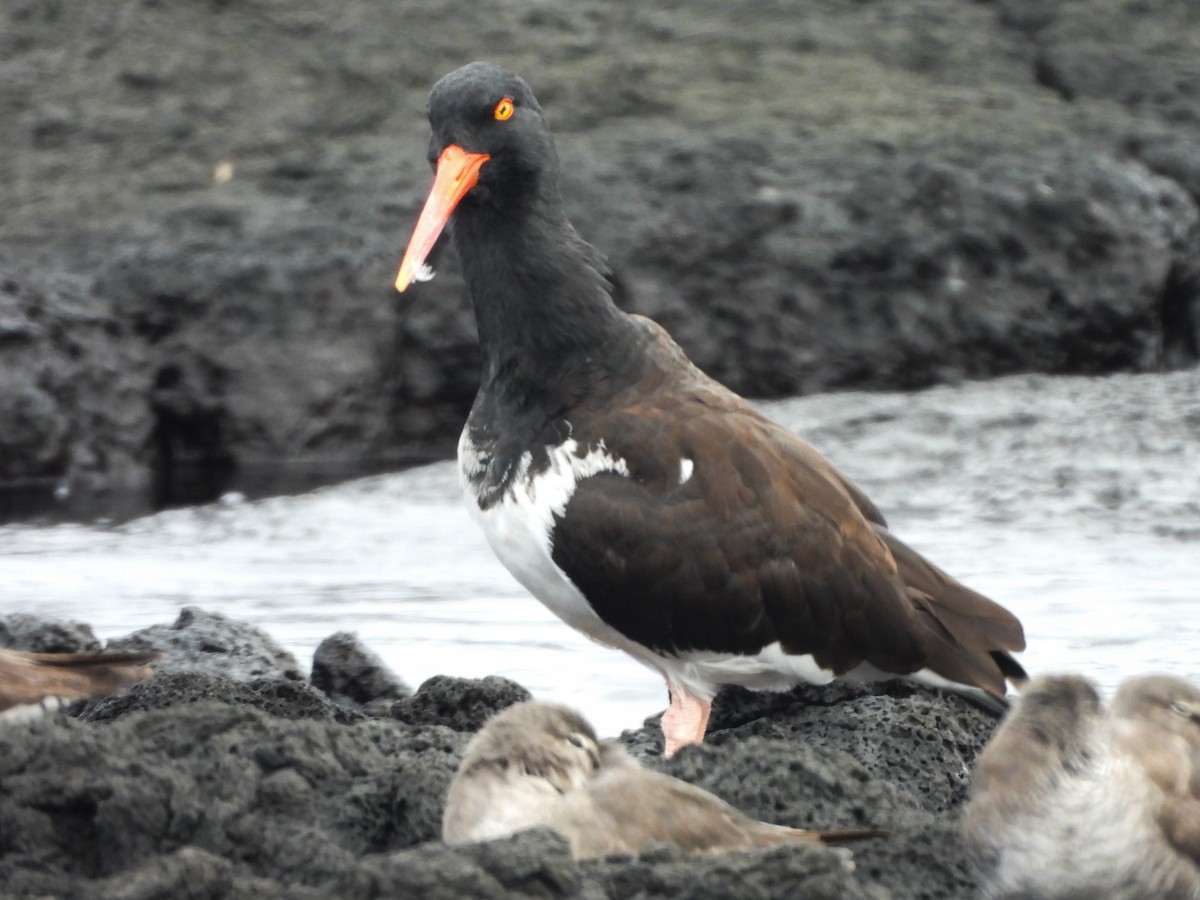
(504, 109)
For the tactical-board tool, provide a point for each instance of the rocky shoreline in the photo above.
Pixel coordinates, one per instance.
(231, 773)
(205, 204)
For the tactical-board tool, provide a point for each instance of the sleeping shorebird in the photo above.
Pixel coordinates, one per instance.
(535, 764)
(1070, 801)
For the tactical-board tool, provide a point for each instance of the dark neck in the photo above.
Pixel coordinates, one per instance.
(542, 301)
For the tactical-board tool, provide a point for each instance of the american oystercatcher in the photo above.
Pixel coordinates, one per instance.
(536, 764)
(644, 503)
(1071, 800)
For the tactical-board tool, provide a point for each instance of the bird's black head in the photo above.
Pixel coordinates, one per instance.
(490, 146)
(484, 109)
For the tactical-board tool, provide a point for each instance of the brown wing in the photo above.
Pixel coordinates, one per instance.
(1156, 722)
(764, 542)
(1180, 823)
(1179, 817)
(624, 810)
(968, 627)
(31, 677)
(864, 503)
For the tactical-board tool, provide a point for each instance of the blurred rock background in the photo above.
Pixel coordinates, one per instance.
(202, 206)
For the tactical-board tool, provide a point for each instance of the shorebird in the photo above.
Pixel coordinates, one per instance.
(536, 764)
(1070, 801)
(32, 678)
(644, 503)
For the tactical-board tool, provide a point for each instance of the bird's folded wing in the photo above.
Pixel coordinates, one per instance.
(31, 677)
(94, 660)
(1180, 816)
(729, 534)
(625, 810)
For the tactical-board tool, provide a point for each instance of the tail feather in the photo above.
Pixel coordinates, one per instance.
(971, 617)
(772, 835)
(974, 636)
(835, 837)
(1012, 670)
(85, 660)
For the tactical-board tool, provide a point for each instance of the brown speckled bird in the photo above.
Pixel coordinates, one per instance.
(27, 679)
(1072, 801)
(536, 764)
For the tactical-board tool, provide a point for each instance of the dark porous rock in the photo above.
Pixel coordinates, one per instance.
(538, 864)
(187, 872)
(819, 195)
(796, 871)
(921, 861)
(463, 704)
(809, 785)
(1103, 57)
(276, 696)
(941, 269)
(20, 631)
(350, 673)
(530, 864)
(193, 784)
(888, 755)
(72, 383)
(214, 793)
(894, 729)
(202, 641)
(797, 784)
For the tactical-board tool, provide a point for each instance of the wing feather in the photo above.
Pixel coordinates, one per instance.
(764, 542)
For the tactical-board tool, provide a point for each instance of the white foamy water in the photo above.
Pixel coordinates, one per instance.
(1073, 501)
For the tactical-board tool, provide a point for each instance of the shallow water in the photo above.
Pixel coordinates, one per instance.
(1073, 501)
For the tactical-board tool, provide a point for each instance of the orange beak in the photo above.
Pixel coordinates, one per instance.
(457, 172)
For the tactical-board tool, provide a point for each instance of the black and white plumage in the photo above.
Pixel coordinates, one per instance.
(1071, 800)
(641, 501)
(540, 765)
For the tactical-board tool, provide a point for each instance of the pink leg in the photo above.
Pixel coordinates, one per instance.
(685, 722)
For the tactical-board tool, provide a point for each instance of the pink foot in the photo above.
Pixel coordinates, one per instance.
(685, 722)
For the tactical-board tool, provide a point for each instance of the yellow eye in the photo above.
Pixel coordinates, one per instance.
(504, 109)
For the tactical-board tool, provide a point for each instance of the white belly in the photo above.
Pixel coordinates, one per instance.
(1093, 835)
(519, 529)
(701, 672)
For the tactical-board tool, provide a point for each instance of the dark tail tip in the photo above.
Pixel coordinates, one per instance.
(837, 837)
(988, 702)
(1011, 669)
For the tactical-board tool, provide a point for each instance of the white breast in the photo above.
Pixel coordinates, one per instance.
(520, 530)
(493, 804)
